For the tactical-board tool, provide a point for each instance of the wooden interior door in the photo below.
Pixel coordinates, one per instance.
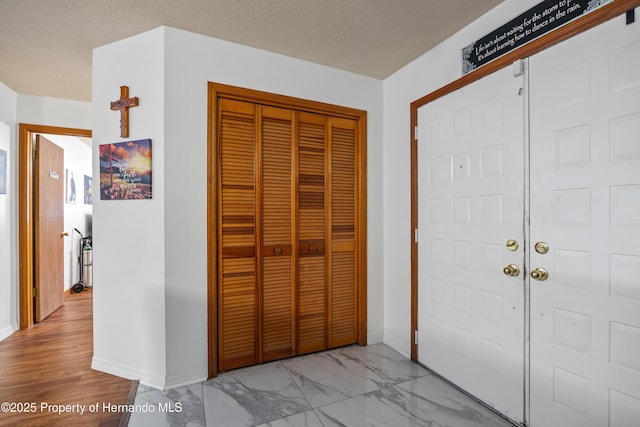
(288, 232)
(49, 228)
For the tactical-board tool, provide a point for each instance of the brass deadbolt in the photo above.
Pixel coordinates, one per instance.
(541, 247)
(512, 245)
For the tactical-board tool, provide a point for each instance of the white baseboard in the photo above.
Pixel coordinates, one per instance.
(8, 331)
(182, 380)
(148, 379)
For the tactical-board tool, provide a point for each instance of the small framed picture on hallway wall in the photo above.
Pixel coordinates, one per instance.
(88, 190)
(72, 186)
(125, 170)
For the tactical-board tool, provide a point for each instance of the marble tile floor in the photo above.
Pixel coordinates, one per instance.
(351, 386)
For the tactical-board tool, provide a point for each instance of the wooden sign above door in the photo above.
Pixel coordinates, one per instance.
(541, 19)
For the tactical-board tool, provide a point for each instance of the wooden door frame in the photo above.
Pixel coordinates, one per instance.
(26, 193)
(217, 91)
(573, 28)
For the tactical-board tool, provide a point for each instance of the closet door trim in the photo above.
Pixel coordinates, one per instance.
(218, 91)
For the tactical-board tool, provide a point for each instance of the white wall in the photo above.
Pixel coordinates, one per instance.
(8, 292)
(41, 110)
(436, 68)
(77, 157)
(129, 243)
(163, 295)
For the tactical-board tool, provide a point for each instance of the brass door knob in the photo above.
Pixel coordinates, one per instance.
(277, 251)
(540, 274)
(511, 270)
(64, 234)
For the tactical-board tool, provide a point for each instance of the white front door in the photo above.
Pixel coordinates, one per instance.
(471, 318)
(585, 205)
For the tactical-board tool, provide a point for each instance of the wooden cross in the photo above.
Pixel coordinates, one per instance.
(123, 104)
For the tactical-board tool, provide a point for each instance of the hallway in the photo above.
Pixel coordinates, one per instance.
(50, 364)
(351, 386)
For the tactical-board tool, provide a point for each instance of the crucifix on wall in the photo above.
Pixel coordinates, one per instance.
(123, 104)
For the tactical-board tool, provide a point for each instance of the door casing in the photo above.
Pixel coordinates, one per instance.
(26, 191)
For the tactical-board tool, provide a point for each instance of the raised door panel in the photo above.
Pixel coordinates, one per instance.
(237, 279)
(312, 265)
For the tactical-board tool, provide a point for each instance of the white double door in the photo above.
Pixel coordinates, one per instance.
(539, 173)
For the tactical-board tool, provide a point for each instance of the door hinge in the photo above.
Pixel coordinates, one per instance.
(36, 292)
(415, 133)
(415, 235)
(518, 68)
(35, 153)
(415, 337)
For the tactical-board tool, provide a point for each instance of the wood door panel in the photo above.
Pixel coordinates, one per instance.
(49, 226)
(237, 290)
(343, 289)
(277, 212)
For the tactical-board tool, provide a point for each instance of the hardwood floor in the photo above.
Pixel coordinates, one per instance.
(50, 364)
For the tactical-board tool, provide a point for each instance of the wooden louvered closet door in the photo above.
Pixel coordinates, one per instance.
(287, 267)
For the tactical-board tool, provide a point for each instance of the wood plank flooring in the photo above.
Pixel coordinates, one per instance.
(51, 364)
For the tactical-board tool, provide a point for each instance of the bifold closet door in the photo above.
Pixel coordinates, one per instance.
(327, 203)
(256, 281)
(288, 203)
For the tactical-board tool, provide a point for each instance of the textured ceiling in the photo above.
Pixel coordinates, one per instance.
(46, 45)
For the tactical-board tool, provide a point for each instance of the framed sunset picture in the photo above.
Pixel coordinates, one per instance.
(125, 170)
